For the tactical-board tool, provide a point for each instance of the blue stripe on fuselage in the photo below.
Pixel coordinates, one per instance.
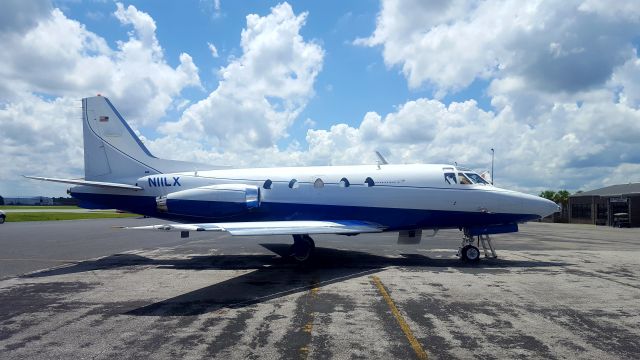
(394, 219)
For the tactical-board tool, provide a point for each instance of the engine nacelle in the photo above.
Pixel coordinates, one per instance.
(211, 201)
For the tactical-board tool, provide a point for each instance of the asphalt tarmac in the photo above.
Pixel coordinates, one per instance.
(82, 289)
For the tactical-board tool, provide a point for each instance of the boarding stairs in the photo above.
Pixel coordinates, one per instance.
(485, 241)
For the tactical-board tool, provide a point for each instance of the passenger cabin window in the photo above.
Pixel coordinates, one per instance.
(344, 182)
(293, 184)
(450, 178)
(318, 183)
(267, 184)
(369, 181)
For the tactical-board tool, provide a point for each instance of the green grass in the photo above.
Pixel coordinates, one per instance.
(28, 207)
(49, 216)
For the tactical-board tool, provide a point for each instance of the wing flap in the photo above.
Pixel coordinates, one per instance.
(101, 184)
(344, 227)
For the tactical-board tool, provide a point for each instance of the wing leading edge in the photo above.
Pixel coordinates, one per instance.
(344, 227)
(102, 184)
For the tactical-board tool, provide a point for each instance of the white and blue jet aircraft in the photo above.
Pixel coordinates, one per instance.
(121, 173)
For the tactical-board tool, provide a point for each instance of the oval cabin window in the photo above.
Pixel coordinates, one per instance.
(267, 184)
(318, 183)
(344, 182)
(293, 184)
(369, 181)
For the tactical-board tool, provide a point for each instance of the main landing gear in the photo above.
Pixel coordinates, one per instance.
(302, 248)
(471, 253)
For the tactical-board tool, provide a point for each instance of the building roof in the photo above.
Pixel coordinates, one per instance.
(613, 190)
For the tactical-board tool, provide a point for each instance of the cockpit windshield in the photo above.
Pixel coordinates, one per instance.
(477, 179)
(463, 180)
(463, 176)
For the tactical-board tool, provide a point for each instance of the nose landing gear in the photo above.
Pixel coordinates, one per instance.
(470, 252)
(302, 248)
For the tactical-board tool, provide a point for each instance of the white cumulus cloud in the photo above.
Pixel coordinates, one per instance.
(51, 61)
(566, 46)
(261, 92)
(562, 83)
(213, 50)
(562, 79)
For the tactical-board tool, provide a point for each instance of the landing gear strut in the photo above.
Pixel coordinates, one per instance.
(302, 248)
(469, 252)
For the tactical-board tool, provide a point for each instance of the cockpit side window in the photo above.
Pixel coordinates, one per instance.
(476, 178)
(464, 180)
(450, 178)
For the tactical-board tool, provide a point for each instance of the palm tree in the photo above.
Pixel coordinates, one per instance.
(562, 198)
(548, 194)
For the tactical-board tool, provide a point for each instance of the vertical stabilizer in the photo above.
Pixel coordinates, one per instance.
(113, 152)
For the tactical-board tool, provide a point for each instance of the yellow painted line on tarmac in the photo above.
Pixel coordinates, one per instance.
(415, 345)
(308, 327)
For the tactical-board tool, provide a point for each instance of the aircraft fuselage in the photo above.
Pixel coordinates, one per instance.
(396, 196)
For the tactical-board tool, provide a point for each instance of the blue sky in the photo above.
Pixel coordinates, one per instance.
(552, 86)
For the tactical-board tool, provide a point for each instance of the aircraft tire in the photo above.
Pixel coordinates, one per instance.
(302, 248)
(470, 254)
(2, 219)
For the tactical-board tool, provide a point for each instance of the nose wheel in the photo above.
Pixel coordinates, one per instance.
(302, 248)
(469, 252)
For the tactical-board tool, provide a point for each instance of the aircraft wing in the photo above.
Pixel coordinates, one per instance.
(344, 227)
(87, 183)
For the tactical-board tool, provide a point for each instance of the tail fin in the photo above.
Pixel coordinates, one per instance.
(113, 152)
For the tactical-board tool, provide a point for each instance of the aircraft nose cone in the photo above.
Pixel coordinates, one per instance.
(539, 206)
(547, 207)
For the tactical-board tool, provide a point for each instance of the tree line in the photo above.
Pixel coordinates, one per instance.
(561, 197)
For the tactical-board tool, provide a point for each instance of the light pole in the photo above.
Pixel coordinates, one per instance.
(492, 156)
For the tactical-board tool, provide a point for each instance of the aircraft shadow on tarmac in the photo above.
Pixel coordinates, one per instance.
(274, 276)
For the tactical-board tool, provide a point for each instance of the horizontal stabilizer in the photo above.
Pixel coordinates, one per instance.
(101, 184)
(345, 227)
